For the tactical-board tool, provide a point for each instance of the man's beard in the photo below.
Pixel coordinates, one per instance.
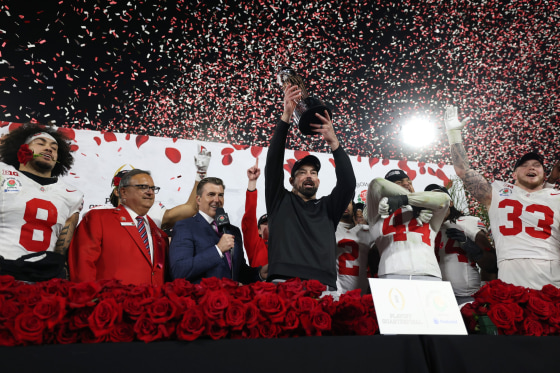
(42, 165)
(307, 192)
(530, 184)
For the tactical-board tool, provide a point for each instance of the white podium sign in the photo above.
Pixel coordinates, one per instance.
(416, 307)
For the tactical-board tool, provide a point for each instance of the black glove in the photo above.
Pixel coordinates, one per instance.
(395, 202)
(473, 251)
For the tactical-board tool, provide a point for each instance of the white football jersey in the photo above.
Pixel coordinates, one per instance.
(455, 267)
(32, 215)
(353, 245)
(525, 225)
(405, 248)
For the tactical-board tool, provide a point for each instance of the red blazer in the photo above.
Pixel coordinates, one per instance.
(106, 245)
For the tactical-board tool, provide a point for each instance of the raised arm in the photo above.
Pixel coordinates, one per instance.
(273, 170)
(474, 182)
(554, 174)
(189, 208)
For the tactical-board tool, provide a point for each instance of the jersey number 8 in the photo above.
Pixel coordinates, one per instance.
(37, 226)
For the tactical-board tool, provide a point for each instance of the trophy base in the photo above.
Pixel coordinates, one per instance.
(306, 114)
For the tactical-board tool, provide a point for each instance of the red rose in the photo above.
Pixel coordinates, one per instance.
(263, 287)
(314, 288)
(291, 321)
(7, 282)
(469, 317)
(24, 154)
(269, 330)
(272, 306)
(29, 327)
(64, 335)
(305, 304)
(321, 321)
(9, 309)
(366, 326)
(252, 315)
(549, 292)
(28, 294)
(504, 316)
(122, 332)
(497, 291)
(87, 336)
(79, 318)
(214, 304)
(211, 283)
(327, 304)
(217, 330)
(555, 316)
(532, 326)
(540, 307)
(182, 303)
(229, 285)
(51, 309)
(162, 310)
(145, 291)
(55, 286)
(235, 315)
(192, 325)
(134, 306)
(105, 314)
(252, 333)
(7, 338)
(83, 294)
(291, 289)
(180, 287)
(148, 331)
(367, 302)
(349, 309)
(243, 293)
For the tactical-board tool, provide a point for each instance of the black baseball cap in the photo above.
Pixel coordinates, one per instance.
(396, 175)
(529, 156)
(263, 219)
(310, 160)
(438, 188)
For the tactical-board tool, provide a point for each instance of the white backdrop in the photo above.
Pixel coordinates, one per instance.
(99, 156)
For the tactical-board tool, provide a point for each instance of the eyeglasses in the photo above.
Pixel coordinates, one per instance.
(144, 187)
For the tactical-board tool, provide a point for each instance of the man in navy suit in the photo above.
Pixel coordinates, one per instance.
(198, 249)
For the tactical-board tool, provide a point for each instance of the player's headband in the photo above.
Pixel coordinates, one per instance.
(40, 134)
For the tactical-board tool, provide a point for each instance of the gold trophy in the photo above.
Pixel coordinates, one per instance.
(305, 110)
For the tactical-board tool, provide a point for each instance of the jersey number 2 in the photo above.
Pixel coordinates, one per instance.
(41, 228)
(344, 258)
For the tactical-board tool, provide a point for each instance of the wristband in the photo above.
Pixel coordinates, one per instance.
(454, 137)
(200, 175)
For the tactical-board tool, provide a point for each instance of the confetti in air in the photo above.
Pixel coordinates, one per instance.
(206, 70)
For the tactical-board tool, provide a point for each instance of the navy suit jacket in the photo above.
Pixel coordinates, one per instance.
(193, 254)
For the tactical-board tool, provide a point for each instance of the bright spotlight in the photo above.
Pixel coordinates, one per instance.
(418, 132)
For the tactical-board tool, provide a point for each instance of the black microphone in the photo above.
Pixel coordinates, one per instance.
(222, 220)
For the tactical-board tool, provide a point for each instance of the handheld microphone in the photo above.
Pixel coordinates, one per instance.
(222, 220)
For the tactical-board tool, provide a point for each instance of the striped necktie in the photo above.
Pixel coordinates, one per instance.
(143, 232)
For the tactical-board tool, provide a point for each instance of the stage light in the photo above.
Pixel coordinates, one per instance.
(418, 132)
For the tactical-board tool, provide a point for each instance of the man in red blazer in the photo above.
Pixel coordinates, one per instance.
(121, 243)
